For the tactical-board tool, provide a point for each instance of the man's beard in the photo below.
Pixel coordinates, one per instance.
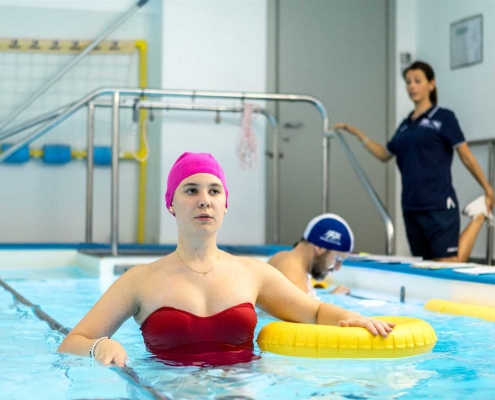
(319, 268)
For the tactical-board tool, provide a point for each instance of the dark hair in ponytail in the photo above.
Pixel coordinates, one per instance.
(430, 75)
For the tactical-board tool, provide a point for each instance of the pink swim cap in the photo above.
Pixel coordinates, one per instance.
(189, 164)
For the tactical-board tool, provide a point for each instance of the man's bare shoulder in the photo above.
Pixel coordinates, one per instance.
(281, 259)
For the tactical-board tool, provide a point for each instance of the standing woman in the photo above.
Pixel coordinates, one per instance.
(424, 145)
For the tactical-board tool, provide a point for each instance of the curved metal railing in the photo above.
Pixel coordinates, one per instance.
(389, 226)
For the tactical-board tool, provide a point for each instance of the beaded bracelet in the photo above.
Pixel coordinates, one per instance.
(93, 346)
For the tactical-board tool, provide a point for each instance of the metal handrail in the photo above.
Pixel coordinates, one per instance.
(117, 92)
(34, 122)
(491, 179)
(389, 226)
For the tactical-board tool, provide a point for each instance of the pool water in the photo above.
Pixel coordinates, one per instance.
(462, 364)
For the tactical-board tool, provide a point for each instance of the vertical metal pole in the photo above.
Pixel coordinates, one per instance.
(115, 175)
(278, 112)
(326, 168)
(276, 184)
(90, 172)
(491, 178)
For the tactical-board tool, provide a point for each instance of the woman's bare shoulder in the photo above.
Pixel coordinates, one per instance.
(145, 271)
(256, 266)
(242, 263)
(246, 261)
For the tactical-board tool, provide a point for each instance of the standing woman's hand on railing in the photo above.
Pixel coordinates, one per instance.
(351, 129)
(374, 148)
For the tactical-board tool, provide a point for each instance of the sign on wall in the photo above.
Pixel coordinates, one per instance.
(466, 42)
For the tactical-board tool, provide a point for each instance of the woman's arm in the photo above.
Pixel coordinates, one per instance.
(279, 297)
(373, 147)
(116, 305)
(469, 161)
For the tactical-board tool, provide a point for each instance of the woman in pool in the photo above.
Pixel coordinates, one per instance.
(424, 145)
(195, 306)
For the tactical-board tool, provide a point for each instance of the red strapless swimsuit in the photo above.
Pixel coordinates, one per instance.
(187, 339)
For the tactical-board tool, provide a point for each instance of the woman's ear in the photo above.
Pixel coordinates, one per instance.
(433, 85)
(171, 210)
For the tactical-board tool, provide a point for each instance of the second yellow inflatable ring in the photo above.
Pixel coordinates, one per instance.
(411, 336)
(469, 310)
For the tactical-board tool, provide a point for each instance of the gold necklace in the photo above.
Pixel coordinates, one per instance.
(193, 270)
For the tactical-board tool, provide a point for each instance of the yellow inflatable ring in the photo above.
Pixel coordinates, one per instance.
(468, 310)
(411, 336)
(319, 284)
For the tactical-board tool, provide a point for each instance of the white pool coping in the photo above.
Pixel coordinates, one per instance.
(418, 288)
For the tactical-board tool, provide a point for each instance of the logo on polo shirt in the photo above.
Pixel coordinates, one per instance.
(332, 236)
(429, 123)
(437, 124)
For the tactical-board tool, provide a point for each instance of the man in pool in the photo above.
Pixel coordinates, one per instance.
(326, 242)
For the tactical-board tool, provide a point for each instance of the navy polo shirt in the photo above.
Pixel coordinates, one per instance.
(424, 149)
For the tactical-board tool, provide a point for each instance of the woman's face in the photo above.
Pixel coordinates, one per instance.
(418, 87)
(199, 203)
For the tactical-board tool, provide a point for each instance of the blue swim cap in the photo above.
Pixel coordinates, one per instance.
(330, 232)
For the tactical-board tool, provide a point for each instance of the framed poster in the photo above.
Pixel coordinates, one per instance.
(466, 42)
